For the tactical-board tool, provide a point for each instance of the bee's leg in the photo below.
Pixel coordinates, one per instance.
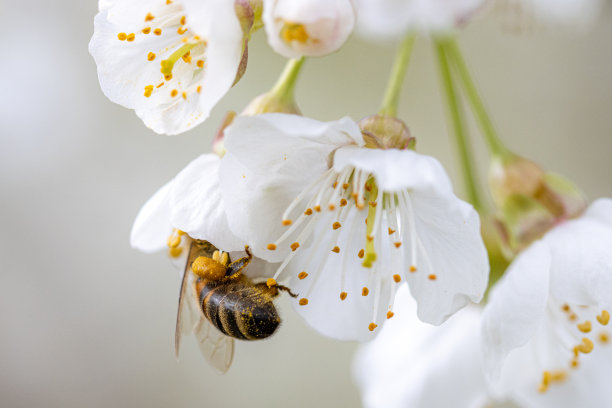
(286, 289)
(235, 268)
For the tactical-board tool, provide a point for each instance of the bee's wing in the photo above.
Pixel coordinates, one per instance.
(186, 318)
(216, 347)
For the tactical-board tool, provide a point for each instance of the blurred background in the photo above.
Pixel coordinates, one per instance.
(87, 321)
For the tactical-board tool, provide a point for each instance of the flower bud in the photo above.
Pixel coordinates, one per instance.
(386, 132)
(269, 102)
(310, 28)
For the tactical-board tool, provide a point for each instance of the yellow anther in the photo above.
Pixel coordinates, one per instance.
(584, 327)
(343, 202)
(369, 237)
(603, 318)
(343, 295)
(207, 268)
(183, 20)
(270, 282)
(175, 252)
(604, 337)
(558, 376)
(149, 17)
(572, 317)
(317, 208)
(160, 85)
(173, 241)
(122, 36)
(565, 308)
(361, 253)
(308, 211)
(168, 77)
(184, 94)
(146, 30)
(586, 346)
(224, 258)
(181, 30)
(178, 231)
(545, 382)
(151, 56)
(199, 89)
(397, 278)
(391, 231)
(413, 268)
(365, 291)
(336, 249)
(345, 186)
(168, 2)
(574, 363)
(432, 277)
(295, 246)
(157, 31)
(302, 275)
(148, 90)
(173, 93)
(372, 326)
(335, 184)
(303, 302)
(131, 37)
(331, 207)
(336, 225)
(286, 223)
(200, 63)
(390, 314)
(397, 244)
(271, 247)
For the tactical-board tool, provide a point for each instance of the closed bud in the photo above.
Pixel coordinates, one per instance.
(271, 103)
(386, 132)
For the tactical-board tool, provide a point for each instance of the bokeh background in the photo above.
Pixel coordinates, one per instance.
(87, 321)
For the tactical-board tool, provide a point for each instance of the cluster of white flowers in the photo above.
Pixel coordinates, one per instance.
(356, 222)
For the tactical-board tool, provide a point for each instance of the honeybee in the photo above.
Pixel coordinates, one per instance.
(218, 304)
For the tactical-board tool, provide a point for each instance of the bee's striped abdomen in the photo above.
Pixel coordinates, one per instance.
(239, 310)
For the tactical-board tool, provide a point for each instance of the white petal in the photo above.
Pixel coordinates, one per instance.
(291, 152)
(516, 307)
(450, 248)
(197, 206)
(152, 225)
(397, 170)
(412, 364)
(327, 24)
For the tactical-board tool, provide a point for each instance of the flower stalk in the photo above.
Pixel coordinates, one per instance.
(283, 90)
(398, 72)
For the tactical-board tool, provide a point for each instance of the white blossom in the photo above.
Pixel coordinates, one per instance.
(300, 191)
(169, 60)
(312, 28)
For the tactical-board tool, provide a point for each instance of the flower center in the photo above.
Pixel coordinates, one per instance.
(578, 328)
(294, 32)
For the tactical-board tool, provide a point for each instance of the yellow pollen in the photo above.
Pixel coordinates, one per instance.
(372, 326)
(270, 282)
(365, 291)
(603, 318)
(397, 278)
(361, 253)
(390, 314)
(181, 30)
(565, 308)
(373, 204)
(336, 249)
(413, 268)
(604, 337)
(199, 89)
(287, 222)
(184, 95)
(343, 295)
(197, 38)
(271, 247)
(168, 2)
(584, 327)
(586, 346)
(131, 37)
(200, 63)
(160, 85)
(302, 275)
(303, 302)
(336, 225)
(149, 17)
(122, 36)
(183, 20)
(335, 184)
(391, 231)
(179, 232)
(148, 90)
(216, 256)
(573, 317)
(317, 208)
(151, 56)
(558, 376)
(432, 277)
(294, 32)
(175, 252)
(173, 241)
(173, 93)
(295, 246)
(574, 363)
(369, 237)
(224, 258)
(308, 211)
(397, 244)
(345, 186)
(331, 207)
(187, 57)
(168, 77)
(545, 382)
(157, 31)
(343, 202)
(184, 39)
(207, 268)
(146, 30)
(368, 187)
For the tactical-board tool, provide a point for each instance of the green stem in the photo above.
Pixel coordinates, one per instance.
(494, 143)
(458, 124)
(394, 86)
(283, 89)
